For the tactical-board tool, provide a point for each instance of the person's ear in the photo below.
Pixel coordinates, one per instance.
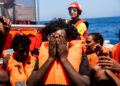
(98, 41)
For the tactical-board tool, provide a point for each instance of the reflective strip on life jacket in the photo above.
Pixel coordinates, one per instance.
(82, 27)
(56, 74)
(19, 73)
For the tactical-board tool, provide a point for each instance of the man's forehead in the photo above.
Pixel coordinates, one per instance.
(61, 31)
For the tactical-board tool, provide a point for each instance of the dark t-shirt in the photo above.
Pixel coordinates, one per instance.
(84, 66)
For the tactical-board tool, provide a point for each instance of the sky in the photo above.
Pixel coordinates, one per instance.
(49, 9)
(26, 2)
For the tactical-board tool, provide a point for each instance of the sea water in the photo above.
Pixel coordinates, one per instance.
(107, 26)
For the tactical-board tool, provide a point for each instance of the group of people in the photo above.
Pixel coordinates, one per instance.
(69, 56)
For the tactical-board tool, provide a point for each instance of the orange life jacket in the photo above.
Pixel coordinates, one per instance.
(77, 24)
(107, 51)
(35, 37)
(116, 55)
(83, 21)
(19, 73)
(92, 59)
(56, 74)
(83, 38)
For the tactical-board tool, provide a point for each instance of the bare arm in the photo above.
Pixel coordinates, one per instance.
(5, 61)
(4, 30)
(108, 63)
(76, 78)
(3, 76)
(38, 76)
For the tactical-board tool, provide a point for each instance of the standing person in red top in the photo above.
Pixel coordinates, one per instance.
(82, 25)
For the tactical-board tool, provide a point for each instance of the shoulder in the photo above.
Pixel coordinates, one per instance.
(74, 43)
(116, 47)
(45, 44)
(83, 22)
(67, 21)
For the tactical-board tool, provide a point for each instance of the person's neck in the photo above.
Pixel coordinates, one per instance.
(17, 58)
(75, 19)
(90, 52)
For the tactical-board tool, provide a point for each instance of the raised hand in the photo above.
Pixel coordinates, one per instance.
(109, 63)
(98, 49)
(5, 61)
(4, 24)
(4, 30)
(62, 49)
(52, 46)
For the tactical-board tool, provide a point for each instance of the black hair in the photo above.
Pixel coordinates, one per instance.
(20, 39)
(97, 37)
(79, 12)
(58, 24)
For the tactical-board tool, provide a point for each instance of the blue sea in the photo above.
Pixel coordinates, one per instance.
(108, 26)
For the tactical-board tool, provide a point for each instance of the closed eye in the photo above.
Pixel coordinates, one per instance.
(87, 41)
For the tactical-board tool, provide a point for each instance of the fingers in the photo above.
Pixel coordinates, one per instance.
(105, 62)
(52, 46)
(7, 56)
(61, 39)
(107, 67)
(58, 39)
(52, 41)
(6, 22)
(97, 47)
(6, 59)
(52, 37)
(105, 58)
